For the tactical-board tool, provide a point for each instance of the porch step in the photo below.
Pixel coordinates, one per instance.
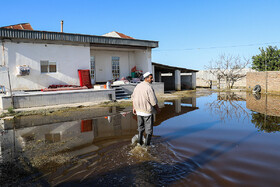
(120, 93)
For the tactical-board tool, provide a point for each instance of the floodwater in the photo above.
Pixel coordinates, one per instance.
(219, 139)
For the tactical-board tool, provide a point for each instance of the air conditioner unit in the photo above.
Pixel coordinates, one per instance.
(23, 70)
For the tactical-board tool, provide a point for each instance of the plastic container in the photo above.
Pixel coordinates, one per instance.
(133, 74)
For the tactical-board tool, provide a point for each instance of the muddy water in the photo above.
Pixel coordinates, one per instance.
(224, 139)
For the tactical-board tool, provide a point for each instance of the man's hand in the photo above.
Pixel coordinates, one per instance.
(134, 111)
(157, 108)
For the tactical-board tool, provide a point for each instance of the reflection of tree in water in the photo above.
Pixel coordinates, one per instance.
(266, 123)
(228, 106)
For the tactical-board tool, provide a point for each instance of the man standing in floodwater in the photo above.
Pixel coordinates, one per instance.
(145, 104)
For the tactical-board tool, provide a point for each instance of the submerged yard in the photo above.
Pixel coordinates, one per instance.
(209, 139)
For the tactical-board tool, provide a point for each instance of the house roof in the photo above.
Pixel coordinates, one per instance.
(20, 26)
(11, 32)
(167, 69)
(117, 35)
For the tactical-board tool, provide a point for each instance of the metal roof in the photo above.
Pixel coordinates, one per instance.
(20, 26)
(168, 69)
(70, 37)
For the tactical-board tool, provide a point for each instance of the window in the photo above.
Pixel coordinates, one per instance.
(116, 67)
(48, 67)
(92, 66)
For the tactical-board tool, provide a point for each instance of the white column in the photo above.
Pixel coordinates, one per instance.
(193, 81)
(153, 71)
(177, 80)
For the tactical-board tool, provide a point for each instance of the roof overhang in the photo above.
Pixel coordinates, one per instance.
(168, 69)
(77, 38)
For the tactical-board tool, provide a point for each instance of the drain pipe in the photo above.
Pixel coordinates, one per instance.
(3, 53)
(8, 71)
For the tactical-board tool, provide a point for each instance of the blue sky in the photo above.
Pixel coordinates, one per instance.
(191, 33)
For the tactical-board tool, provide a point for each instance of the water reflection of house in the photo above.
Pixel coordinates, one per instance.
(78, 136)
(79, 132)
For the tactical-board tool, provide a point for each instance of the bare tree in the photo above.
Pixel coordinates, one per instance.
(228, 68)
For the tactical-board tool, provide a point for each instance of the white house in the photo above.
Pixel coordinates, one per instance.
(48, 58)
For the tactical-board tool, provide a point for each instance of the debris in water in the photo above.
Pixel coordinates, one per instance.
(141, 153)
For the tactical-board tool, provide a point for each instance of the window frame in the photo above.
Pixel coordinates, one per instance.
(48, 65)
(92, 67)
(116, 67)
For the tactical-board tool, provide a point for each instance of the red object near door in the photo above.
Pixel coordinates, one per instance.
(84, 77)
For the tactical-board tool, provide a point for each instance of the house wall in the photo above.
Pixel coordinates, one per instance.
(259, 78)
(143, 60)
(68, 59)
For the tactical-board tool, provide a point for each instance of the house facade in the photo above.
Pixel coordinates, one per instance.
(33, 60)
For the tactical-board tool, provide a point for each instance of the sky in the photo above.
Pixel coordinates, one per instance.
(191, 33)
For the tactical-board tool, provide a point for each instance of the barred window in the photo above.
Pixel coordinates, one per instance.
(48, 67)
(116, 67)
(92, 66)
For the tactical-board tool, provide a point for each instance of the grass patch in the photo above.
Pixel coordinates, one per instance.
(11, 110)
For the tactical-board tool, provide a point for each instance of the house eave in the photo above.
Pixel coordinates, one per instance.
(71, 37)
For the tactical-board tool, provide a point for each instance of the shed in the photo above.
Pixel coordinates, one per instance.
(174, 78)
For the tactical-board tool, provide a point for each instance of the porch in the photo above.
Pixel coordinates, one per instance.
(111, 63)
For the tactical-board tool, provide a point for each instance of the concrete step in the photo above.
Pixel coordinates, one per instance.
(123, 94)
(118, 98)
(120, 93)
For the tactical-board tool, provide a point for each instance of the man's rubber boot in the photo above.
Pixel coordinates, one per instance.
(148, 140)
(140, 138)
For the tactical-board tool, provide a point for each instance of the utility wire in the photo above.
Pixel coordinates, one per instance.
(217, 47)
